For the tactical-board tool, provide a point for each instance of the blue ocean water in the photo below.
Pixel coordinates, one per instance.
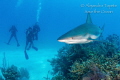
(55, 17)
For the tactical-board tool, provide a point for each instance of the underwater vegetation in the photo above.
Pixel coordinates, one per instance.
(13, 72)
(99, 60)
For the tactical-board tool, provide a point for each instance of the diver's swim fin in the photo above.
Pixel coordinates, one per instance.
(18, 45)
(35, 48)
(26, 55)
(6, 43)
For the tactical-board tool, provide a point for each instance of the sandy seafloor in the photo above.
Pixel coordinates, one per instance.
(37, 65)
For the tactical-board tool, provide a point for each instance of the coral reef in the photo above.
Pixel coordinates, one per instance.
(59, 77)
(65, 58)
(98, 60)
(96, 68)
(12, 72)
(1, 78)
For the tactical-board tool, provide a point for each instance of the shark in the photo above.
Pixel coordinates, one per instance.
(84, 33)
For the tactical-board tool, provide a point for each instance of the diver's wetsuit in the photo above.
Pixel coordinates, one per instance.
(29, 39)
(13, 31)
(36, 29)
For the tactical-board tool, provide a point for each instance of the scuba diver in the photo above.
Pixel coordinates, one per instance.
(13, 31)
(36, 29)
(29, 41)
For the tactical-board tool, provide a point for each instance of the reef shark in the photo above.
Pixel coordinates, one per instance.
(84, 33)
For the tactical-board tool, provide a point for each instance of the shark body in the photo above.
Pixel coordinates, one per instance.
(84, 33)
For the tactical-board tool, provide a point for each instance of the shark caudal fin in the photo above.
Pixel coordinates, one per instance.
(88, 20)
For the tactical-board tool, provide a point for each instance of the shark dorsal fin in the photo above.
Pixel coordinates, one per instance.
(88, 20)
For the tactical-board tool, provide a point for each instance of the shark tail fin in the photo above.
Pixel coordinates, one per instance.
(88, 20)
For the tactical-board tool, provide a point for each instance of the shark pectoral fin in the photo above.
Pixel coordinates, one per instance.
(93, 39)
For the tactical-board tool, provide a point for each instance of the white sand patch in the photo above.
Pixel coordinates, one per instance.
(37, 64)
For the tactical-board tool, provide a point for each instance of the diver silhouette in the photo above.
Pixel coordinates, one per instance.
(36, 29)
(13, 31)
(29, 41)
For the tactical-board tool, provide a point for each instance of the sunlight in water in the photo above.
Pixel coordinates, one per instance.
(19, 3)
